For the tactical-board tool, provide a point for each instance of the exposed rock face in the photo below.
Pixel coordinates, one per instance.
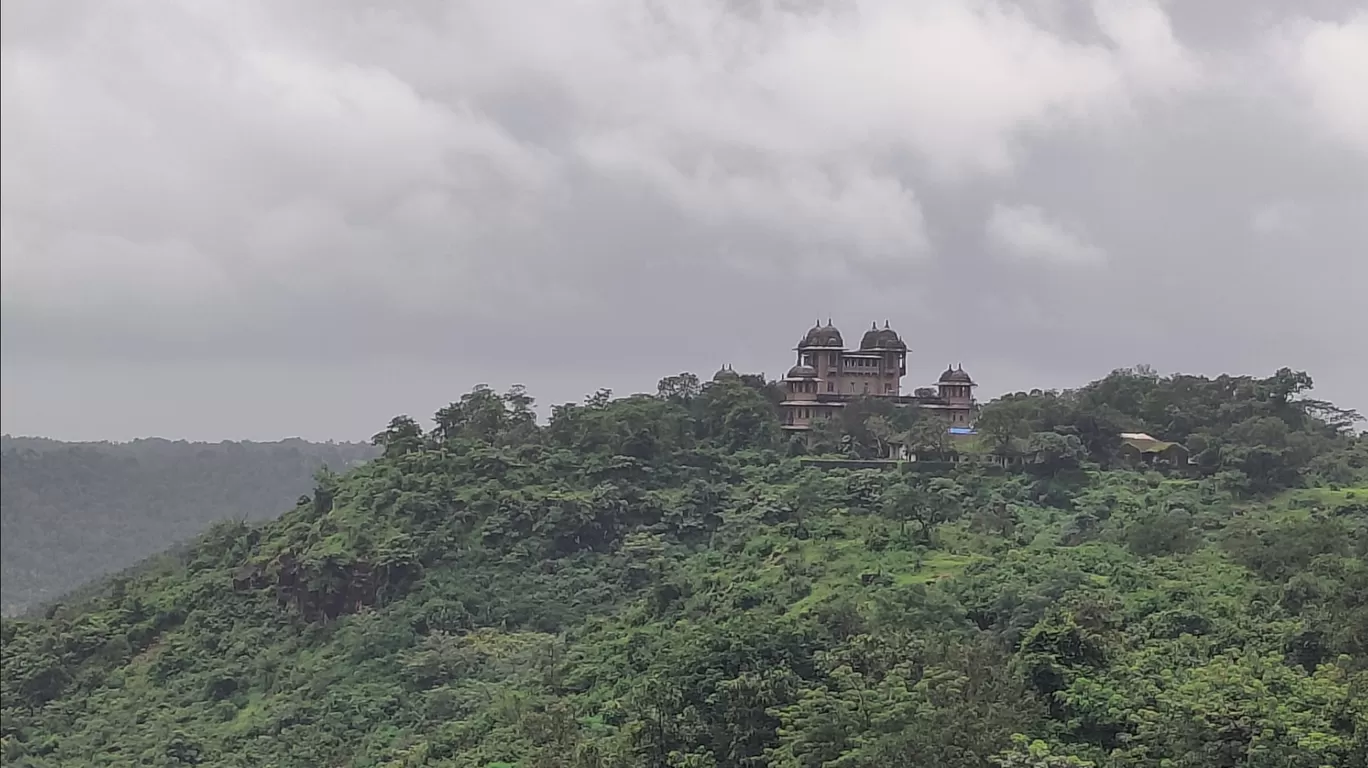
(324, 589)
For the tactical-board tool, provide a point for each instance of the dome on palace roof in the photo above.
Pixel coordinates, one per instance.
(725, 372)
(871, 337)
(823, 336)
(802, 372)
(881, 338)
(955, 375)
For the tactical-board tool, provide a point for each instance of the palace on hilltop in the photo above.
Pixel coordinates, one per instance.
(828, 376)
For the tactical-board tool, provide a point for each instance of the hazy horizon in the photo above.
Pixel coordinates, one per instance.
(542, 408)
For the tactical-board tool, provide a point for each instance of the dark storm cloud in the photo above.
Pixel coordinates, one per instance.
(249, 218)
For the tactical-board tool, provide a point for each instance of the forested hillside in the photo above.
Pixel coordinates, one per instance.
(667, 581)
(72, 512)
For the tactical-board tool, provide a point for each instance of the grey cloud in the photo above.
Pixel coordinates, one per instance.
(333, 199)
(1329, 61)
(1026, 232)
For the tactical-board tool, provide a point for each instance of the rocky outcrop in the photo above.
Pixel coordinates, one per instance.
(325, 588)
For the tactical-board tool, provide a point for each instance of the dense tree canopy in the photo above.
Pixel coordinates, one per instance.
(659, 581)
(1259, 435)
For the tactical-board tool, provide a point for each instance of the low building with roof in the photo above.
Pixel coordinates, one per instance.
(1138, 448)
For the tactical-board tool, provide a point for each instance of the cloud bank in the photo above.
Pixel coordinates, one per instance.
(252, 219)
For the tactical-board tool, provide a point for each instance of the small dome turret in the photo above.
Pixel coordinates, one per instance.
(724, 373)
(802, 372)
(955, 375)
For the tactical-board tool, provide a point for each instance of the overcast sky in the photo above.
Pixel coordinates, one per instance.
(262, 219)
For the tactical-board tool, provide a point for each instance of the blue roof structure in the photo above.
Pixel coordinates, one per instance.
(962, 431)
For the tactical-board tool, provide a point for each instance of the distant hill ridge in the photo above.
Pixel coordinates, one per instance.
(10, 442)
(73, 512)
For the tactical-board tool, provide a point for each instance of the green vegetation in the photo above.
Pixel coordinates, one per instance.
(74, 512)
(658, 581)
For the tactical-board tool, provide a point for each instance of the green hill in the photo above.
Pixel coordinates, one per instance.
(74, 512)
(663, 581)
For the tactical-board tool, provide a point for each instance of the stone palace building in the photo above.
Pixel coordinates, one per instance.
(828, 376)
